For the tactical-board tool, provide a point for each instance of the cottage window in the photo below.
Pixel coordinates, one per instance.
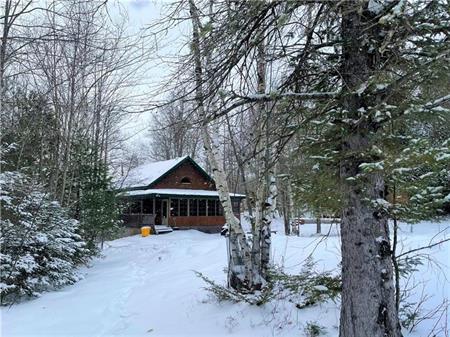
(202, 207)
(174, 207)
(158, 206)
(193, 204)
(147, 206)
(183, 207)
(219, 208)
(186, 180)
(211, 207)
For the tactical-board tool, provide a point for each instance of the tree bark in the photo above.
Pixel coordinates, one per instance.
(266, 239)
(286, 216)
(368, 297)
(394, 251)
(240, 268)
(290, 206)
(318, 225)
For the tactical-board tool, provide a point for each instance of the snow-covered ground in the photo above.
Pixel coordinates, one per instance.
(147, 287)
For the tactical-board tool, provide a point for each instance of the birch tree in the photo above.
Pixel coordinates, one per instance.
(240, 270)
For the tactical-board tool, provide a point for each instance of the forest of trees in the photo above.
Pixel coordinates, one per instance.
(65, 74)
(338, 108)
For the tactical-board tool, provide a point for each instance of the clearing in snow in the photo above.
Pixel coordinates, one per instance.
(147, 287)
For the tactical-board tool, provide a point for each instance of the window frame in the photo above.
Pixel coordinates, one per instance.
(186, 181)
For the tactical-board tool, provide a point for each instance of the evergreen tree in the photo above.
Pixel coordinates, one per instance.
(354, 66)
(97, 207)
(40, 244)
(34, 134)
(317, 188)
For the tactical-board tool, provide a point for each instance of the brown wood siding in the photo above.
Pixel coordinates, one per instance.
(135, 220)
(173, 179)
(191, 221)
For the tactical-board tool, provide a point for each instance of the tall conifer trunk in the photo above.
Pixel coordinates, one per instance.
(368, 297)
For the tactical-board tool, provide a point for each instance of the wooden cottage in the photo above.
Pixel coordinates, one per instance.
(177, 193)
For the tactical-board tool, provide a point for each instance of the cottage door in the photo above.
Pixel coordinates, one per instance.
(165, 220)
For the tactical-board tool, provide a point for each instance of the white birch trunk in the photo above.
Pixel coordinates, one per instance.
(256, 233)
(291, 204)
(266, 240)
(240, 268)
(264, 200)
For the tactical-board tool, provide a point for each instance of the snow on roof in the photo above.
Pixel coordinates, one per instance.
(146, 174)
(176, 191)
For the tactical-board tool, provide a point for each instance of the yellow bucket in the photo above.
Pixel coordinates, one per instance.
(145, 231)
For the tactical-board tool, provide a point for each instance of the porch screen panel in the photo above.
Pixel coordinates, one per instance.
(158, 206)
(202, 207)
(174, 207)
(183, 207)
(193, 207)
(219, 208)
(147, 206)
(135, 207)
(211, 207)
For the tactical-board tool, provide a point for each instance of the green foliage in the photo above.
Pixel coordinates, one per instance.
(409, 265)
(417, 175)
(413, 309)
(206, 28)
(40, 242)
(308, 287)
(303, 290)
(414, 164)
(33, 134)
(317, 187)
(99, 217)
(99, 212)
(408, 314)
(313, 329)
(407, 133)
(222, 293)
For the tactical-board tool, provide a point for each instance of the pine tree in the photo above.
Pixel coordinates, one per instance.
(40, 244)
(97, 207)
(355, 66)
(317, 189)
(34, 134)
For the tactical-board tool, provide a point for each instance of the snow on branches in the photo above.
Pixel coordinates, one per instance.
(40, 246)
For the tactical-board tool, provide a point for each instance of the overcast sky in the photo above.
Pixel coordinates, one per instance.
(141, 14)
